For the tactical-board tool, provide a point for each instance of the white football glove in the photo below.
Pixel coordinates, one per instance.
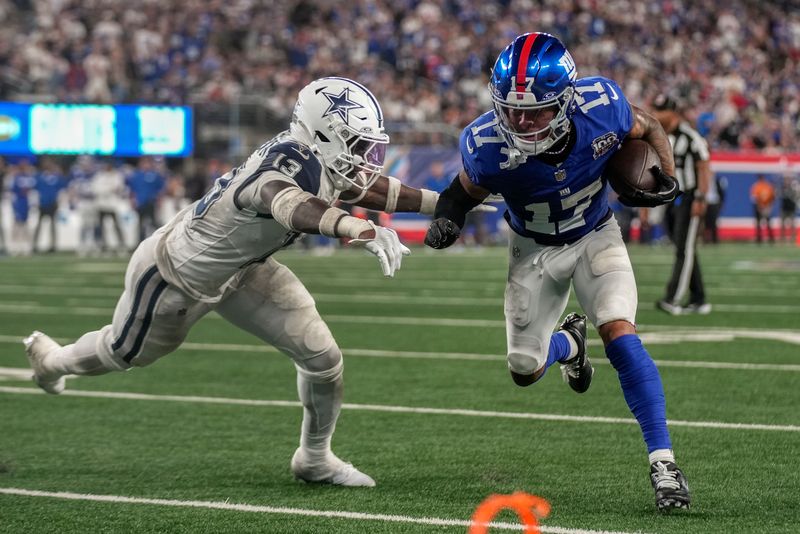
(387, 247)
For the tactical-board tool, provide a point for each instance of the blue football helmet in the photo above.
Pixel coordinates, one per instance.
(532, 87)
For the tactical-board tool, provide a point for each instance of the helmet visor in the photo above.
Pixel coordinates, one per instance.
(371, 152)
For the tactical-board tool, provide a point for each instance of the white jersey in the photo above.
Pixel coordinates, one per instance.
(207, 243)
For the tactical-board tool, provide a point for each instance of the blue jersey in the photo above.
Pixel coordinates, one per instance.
(553, 204)
(49, 185)
(146, 185)
(21, 185)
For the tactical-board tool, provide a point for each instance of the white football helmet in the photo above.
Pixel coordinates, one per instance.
(342, 122)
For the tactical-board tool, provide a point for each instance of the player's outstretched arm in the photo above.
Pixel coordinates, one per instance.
(301, 211)
(451, 210)
(646, 127)
(389, 195)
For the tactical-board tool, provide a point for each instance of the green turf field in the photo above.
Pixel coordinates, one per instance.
(198, 443)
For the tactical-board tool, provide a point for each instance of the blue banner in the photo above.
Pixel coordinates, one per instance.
(102, 130)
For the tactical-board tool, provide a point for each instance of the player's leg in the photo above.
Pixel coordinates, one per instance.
(606, 289)
(272, 304)
(684, 259)
(151, 320)
(536, 295)
(53, 229)
(36, 231)
(118, 229)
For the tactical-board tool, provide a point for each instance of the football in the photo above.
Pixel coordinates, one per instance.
(629, 169)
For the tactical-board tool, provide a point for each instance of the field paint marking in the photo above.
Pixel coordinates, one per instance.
(399, 409)
(463, 356)
(285, 510)
(20, 308)
(19, 373)
(390, 297)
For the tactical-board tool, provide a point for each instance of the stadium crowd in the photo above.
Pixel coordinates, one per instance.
(735, 65)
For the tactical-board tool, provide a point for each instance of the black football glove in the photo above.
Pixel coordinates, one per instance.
(442, 233)
(667, 192)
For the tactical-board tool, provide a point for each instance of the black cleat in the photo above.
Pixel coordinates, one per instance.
(672, 491)
(577, 371)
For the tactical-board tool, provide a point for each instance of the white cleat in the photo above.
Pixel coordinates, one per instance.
(37, 347)
(333, 471)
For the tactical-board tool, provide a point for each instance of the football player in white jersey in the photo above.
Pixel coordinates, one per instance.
(216, 254)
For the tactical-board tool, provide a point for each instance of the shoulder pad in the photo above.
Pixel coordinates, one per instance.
(295, 161)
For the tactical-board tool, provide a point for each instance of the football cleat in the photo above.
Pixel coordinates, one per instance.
(670, 486)
(668, 307)
(333, 471)
(697, 308)
(37, 347)
(577, 371)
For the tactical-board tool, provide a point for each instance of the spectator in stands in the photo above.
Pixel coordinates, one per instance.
(762, 195)
(437, 180)
(739, 78)
(146, 184)
(50, 182)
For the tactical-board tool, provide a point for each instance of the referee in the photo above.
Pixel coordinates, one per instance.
(684, 214)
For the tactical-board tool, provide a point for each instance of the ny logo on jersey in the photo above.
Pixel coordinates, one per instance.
(604, 143)
(341, 104)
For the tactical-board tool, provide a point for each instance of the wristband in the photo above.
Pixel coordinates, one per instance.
(428, 203)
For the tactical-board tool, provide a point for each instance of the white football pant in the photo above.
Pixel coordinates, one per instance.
(538, 288)
(152, 318)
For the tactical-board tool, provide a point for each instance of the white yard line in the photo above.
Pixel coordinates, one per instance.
(285, 510)
(37, 309)
(467, 356)
(395, 292)
(399, 409)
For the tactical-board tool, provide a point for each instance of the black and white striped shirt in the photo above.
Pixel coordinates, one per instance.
(688, 147)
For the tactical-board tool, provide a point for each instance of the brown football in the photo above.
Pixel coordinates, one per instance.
(629, 168)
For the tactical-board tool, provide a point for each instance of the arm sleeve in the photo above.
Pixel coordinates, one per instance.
(454, 203)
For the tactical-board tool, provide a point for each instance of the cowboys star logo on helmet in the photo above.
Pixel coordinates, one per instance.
(341, 104)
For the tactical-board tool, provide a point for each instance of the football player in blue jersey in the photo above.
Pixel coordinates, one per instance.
(544, 147)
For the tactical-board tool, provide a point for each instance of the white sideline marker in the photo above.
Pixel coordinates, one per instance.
(217, 505)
